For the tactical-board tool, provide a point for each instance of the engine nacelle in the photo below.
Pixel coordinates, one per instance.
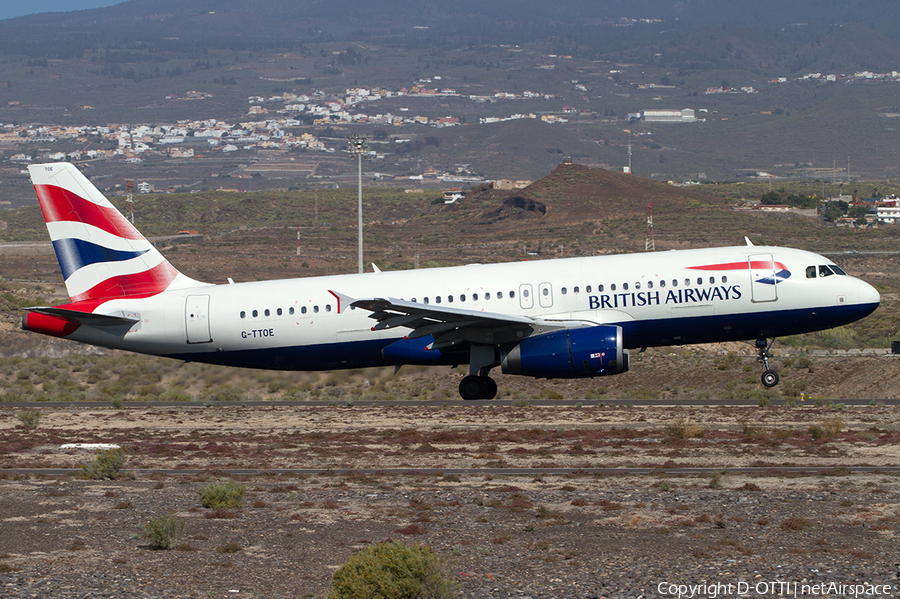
(570, 353)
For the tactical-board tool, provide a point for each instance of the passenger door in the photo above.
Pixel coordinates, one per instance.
(763, 278)
(196, 318)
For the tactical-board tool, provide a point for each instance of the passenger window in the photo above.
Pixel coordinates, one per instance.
(278, 312)
(462, 297)
(525, 293)
(328, 307)
(474, 297)
(487, 295)
(724, 279)
(291, 311)
(824, 271)
(512, 294)
(625, 286)
(243, 314)
(712, 280)
(563, 291)
(449, 299)
(662, 283)
(255, 314)
(612, 287)
(674, 282)
(587, 289)
(637, 285)
(302, 309)
(545, 291)
(426, 300)
(699, 280)
(687, 282)
(575, 289)
(316, 309)
(599, 288)
(649, 284)
(499, 295)
(266, 312)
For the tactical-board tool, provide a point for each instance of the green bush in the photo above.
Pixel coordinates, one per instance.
(163, 531)
(29, 418)
(105, 465)
(223, 494)
(392, 570)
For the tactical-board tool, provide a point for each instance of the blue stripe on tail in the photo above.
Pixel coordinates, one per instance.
(74, 254)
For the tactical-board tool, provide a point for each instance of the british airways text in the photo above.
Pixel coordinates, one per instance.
(636, 299)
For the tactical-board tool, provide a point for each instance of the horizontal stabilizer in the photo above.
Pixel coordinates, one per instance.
(88, 318)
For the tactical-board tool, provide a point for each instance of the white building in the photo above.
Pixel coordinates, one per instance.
(685, 115)
(888, 214)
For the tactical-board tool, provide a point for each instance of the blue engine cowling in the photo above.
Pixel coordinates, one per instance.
(570, 353)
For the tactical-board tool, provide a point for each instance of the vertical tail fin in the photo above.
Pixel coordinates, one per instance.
(101, 254)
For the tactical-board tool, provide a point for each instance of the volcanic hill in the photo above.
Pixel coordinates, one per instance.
(573, 193)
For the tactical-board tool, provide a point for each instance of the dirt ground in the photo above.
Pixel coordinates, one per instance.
(384, 472)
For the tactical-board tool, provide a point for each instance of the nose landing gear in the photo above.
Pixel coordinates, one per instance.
(769, 377)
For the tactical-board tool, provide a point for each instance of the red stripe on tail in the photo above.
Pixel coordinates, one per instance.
(141, 284)
(60, 205)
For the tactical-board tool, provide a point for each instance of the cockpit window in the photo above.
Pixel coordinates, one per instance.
(824, 271)
(810, 272)
(837, 269)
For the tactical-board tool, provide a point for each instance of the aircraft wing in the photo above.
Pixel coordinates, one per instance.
(449, 326)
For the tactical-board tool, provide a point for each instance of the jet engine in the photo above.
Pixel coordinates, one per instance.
(569, 353)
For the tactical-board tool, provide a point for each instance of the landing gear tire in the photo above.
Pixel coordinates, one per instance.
(477, 387)
(492, 388)
(769, 377)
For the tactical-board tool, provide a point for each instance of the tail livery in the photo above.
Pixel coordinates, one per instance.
(102, 256)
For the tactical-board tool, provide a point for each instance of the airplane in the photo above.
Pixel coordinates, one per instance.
(560, 318)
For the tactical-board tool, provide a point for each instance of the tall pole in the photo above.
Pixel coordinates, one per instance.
(359, 145)
(359, 223)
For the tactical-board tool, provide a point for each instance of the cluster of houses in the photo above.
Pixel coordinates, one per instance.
(190, 138)
(344, 109)
(881, 210)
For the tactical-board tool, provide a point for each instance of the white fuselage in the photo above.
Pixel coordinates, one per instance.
(659, 298)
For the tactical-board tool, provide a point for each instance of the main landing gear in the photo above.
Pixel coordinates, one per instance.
(478, 385)
(769, 377)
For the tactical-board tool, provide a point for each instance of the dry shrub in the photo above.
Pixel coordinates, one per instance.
(750, 429)
(163, 531)
(225, 494)
(609, 506)
(832, 427)
(392, 570)
(412, 529)
(683, 430)
(795, 523)
(105, 465)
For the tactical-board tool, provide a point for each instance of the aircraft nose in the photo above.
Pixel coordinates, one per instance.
(868, 294)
